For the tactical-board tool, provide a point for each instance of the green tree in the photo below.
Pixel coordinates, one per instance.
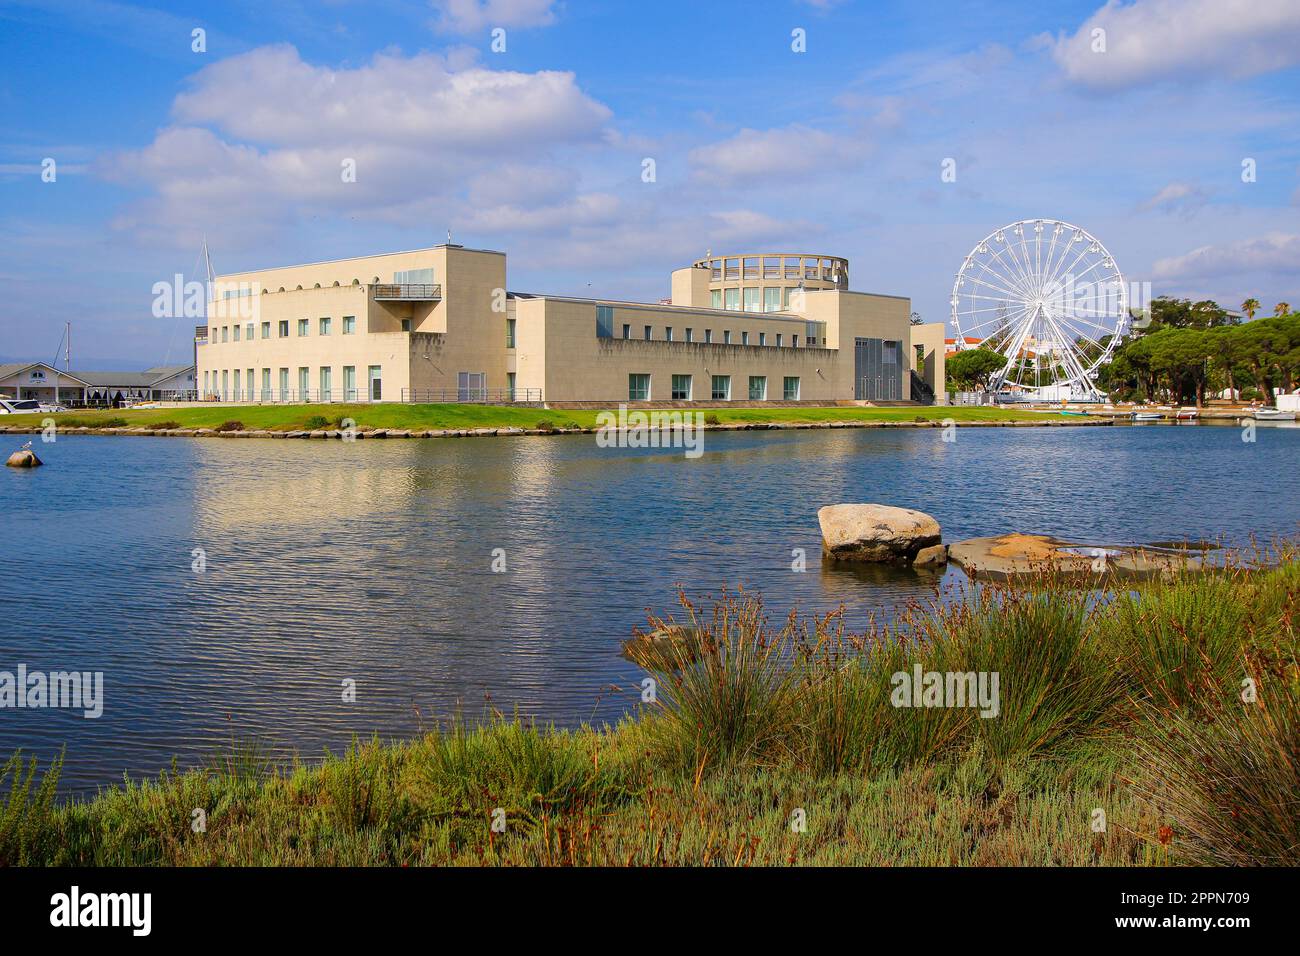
(971, 367)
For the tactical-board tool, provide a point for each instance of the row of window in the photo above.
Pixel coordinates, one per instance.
(772, 298)
(746, 338)
(231, 333)
(238, 384)
(639, 388)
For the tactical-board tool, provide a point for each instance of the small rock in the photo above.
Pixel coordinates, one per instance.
(934, 554)
(24, 458)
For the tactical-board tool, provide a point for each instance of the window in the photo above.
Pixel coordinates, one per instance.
(785, 299)
(751, 299)
(302, 326)
(375, 375)
(471, 386)
(791, 389)
(248, 332)
(690, 334)
(225, 333)
(772, 298)
(668, 333)
(236, 333)
(266, 383)
(721, 388)
(284, 384)
(638, 387)
(762, 338)
(758, 388)
(778, 340)
(744, 338)
(326, 383)
(604, 321)
(266, 330)
(304, 384)
(206, 386)
(325, 326)
(627, 331)
(647, 333)
(225, 383)
(726, 336)
(236, 382)
(284, 328)
(708, 336)
(681, 388)
(212, 334)
(406, 325)
(349, 383)
(249, 385)
(715, 299)
(349, 324)
(733, 300)
(794, 341)
(889, 353)
(510, 333)
(510, 386)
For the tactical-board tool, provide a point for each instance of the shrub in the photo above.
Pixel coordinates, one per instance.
(110, 423)
(27, 829)
(711, 419)
(316, 422)
(545, 425)
(232, 426)
(165, 425)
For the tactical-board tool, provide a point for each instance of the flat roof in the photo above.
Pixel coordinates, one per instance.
(373, 255)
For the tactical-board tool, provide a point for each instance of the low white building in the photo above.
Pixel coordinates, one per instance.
(46, 383)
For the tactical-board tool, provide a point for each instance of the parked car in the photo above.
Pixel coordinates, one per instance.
(20, 406)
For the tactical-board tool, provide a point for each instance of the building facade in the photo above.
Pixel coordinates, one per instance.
(438, 324)
(46, 383)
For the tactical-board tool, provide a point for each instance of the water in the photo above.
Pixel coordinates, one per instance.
(371, 561)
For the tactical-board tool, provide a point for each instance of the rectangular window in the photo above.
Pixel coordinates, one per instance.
(744, 338)
(284, 384)
(225, 333)
(237, 396)
(889, 353)
(638, 387)
(647, 333)
(785, 299)
(284, 328)
(627, 331)
(772, 298)
(471, 386)
(349, 383)
(668, 333)
(266, 330)
(733, 300)
(225, 384)
(510, 333)
(326, 383)
(375, 376)
(349, 324)
(681, 388)
(758, 388)
(778, 340)
(325, 326)
(303, 326)
(248, 384)
(762, 338)
(205, 383)
(248, 332)
(791, 389)
(236, 333)
(690, 334)
(266, 384)
(715, 298)
(794, 341)
(751, 299)
(406, 325)
(510, 386)
(304, 384)
(604, 321)
(708, 336)
(722, 388)
(726, 336)
(212, 334)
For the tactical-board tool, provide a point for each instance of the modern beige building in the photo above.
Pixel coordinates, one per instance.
(438, 324)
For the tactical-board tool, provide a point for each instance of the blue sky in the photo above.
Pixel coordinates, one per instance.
(539, 150)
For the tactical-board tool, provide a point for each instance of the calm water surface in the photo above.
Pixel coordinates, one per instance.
(372, 561)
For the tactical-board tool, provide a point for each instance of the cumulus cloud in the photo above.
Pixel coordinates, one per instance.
(1152, 40)
(471, 16)
(788, 151)
(1276, 253)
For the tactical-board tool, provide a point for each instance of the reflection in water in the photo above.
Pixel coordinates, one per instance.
(372, 561)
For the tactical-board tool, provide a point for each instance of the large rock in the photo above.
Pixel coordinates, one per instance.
(26, 458)
(875, 532)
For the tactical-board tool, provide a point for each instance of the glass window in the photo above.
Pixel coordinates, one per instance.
(349, 324)
(715, 298)
(375, 375)
(791, 389)
(772, 298)
(690, 334)
(284, 384)
(762, 338)
(326, 383)
(284, 328)
(638, 387)
(266, 330)
(303, 326)
(744, 338)
(236, 333)
(751, 299)
(248, 332)
(726, 336)
(757, 388)
(647, 333)
(733, 300)
(668, 333)
(325, 326)
(794, 341)
(708, 336)
(681, 388)
(721, 388)
(627, 331)
(406, 325)
(510, 333)
(266, 383)
(349, 383)
(889, 353)
(604, 321)
(510, 386)
(225, 333)
(778, 340)
(304, 383)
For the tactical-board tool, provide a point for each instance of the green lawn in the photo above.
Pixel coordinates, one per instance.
(424, 417)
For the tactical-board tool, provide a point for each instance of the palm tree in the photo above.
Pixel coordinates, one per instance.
(1282, 308)
(1250, 306)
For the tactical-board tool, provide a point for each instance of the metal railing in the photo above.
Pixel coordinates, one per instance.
(473, 396)
(407, 291)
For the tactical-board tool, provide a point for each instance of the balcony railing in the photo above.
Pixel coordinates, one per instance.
(408, 292)
(473, 396)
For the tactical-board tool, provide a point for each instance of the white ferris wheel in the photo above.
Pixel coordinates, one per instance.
(1048, 298)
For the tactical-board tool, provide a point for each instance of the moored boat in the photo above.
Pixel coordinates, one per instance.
(1268, 414)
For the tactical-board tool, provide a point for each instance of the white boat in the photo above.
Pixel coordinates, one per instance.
(1147, 417)
(1267, 414)
(1188, 414)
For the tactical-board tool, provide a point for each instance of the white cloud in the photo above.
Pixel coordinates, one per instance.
(1176, 197)
(471, 16)
(789, 151)
(1276, 253)
(1152, 40)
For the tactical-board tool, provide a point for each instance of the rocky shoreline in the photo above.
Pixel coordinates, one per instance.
(1062, 422)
